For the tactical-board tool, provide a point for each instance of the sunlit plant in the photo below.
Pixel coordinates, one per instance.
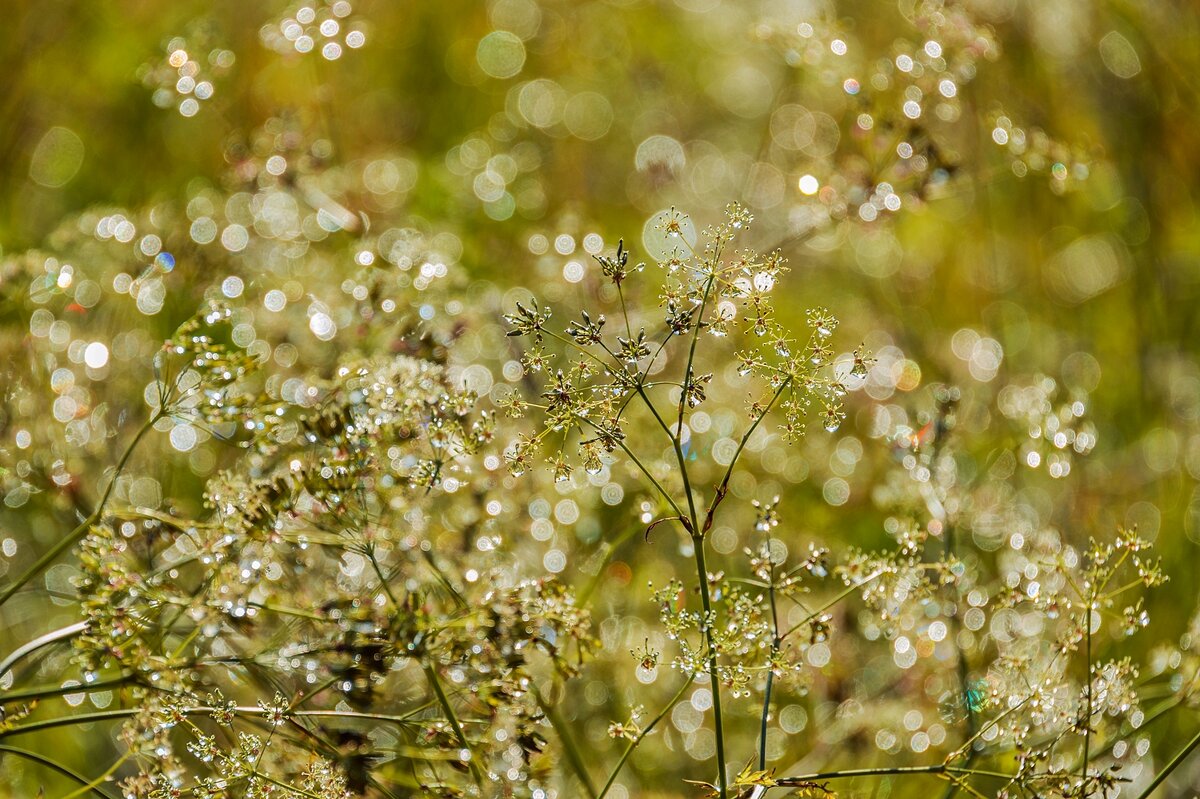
(318, 481)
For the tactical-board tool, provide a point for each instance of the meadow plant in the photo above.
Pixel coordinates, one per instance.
(307, 494)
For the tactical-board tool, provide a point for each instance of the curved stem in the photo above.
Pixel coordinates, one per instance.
(108, 772)
(39, 642)
(54, 765)
(76, 535)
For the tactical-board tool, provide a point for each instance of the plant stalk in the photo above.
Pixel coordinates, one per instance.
(713, 674)
(80, 531)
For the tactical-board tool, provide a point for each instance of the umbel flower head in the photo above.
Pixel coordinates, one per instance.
(707, 292)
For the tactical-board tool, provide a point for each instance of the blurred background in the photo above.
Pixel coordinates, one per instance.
(980, 191)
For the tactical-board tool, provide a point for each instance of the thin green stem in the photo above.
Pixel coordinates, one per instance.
(296, 703)
(624, 310)
(689, 369)
(654, 481)
(776, 640)
(92, 784)
(698, 542)
(296, 613)
(185, 643)
(343, 714)
(662, 424)
(80, 531)
(713, 674)
(70, 631)
(124, 713)
(645, 373)
(47, 691)
(444, 579)
(887, 771)
(55, 766)
(641, 467)
(840, 596)
(766, 708)
(962, 667)
(994, 722)
(1087, 722)
(436, 684)
(1175, 763)
(588, 353)
(383, 580)
(284, 785)
(723, 486)
(612, 777)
